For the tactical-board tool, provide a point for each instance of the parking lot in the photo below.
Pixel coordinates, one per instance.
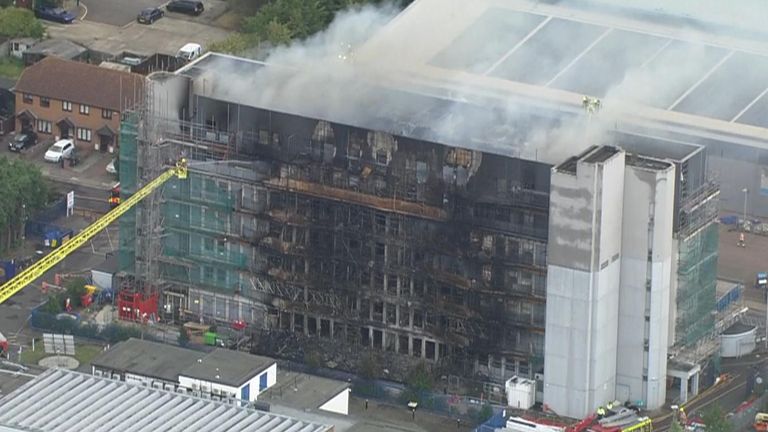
(121, 13)
(166, 36)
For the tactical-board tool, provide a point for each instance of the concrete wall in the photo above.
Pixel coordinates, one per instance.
(583, 286)
(210, 387)
(644, 300)
(253, 394)
(339, 404)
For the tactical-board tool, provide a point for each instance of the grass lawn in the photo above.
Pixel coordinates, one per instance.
(11, 67)
(84, 353)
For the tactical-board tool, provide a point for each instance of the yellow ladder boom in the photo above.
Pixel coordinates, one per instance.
(36, 270)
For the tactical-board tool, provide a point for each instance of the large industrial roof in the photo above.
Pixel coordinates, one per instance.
(483, 74)
(657, 60)
(60, 400)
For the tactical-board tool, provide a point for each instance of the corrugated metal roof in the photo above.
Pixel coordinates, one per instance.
(61, 400)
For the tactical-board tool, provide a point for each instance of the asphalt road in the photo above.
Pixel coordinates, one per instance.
(117, 12)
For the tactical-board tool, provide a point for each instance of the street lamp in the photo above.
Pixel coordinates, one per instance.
(746, 194)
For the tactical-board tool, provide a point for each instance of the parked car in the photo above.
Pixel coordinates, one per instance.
(149, 15)
(190, 7)
(111, 168)
(61, 149)
(55, 14)
(22, 140)
(190, 51)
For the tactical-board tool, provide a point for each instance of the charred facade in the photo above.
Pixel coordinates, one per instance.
(346, 236)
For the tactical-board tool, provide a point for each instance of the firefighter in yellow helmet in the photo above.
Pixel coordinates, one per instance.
(600, 412)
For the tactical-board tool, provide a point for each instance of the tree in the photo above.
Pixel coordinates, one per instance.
(75, 289)
(236, 43)
(17, 22)
(23, 191)
(183, 336)
(715, 421)
(369, 367)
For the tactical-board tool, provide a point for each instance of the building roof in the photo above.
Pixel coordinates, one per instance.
(147, 358)
(167, 362)
(228, 367)
(302, 391)
(81, 83)
(62, 48)
(109, 265)
(61, 400)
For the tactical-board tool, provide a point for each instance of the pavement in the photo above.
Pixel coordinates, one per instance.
(165, 36)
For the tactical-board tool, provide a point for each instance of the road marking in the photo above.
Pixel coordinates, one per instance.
(746, 108)
(82, 18)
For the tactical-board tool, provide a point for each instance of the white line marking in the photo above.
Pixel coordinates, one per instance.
(578, 57)
(518, 45)
(746, 108)
(657, 53)
(698, 83)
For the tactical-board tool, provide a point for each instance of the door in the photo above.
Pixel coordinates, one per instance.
(245, 392)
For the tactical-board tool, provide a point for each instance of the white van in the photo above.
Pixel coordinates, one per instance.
(190, 51)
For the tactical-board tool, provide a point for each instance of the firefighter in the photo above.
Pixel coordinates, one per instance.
(742, 242)
(600, 412)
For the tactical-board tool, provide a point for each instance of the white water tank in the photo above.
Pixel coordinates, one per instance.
(521, 392)
(738, 340)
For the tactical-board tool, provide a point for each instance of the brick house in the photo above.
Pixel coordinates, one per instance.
(66, 99)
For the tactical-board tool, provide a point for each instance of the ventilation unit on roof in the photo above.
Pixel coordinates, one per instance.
(98, 373)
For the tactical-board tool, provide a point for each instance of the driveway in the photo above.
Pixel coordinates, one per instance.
(165, 36)
(116, 12)
(121, 13)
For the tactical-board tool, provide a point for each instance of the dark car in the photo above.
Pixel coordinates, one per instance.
(22, 141)
(58, 15)
(190, 7)
(149, 15)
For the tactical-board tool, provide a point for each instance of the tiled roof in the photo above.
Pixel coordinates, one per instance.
(82, 83)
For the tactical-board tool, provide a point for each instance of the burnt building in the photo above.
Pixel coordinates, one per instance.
(318, 231)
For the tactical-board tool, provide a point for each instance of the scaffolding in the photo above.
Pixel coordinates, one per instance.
(697, 285)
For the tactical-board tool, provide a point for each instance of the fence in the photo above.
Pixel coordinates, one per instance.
(37, 226)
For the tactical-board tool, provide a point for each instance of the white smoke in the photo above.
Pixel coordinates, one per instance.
(360, 70)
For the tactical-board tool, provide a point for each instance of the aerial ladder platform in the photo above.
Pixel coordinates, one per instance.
(31, 273)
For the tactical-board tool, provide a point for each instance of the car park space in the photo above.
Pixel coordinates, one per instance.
(122, 13)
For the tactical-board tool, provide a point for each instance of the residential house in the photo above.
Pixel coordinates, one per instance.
(62, 98)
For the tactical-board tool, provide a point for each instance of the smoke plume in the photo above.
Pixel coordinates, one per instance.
(378, 68)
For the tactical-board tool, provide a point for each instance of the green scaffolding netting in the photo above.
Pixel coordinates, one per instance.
(128, 160)
(696, 285)
(197, 215)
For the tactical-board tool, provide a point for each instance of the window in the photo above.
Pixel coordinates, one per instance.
(85, 109)
(66, 106)
(44, 126)
(45, 102)
(27, 98)
(83, 134)
(106, 114)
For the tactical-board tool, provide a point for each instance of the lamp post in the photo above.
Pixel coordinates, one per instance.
(746, 194)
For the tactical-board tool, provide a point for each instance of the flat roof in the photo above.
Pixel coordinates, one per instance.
(601, 154)
(147, 358)
(167, 362)
(738, 328)
(615, 52)
(302, 391)
(233, 368)
(61, 400)
(647, 163)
